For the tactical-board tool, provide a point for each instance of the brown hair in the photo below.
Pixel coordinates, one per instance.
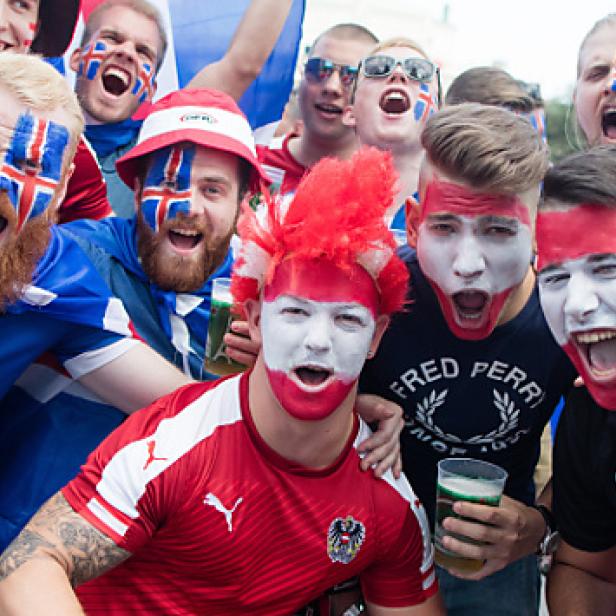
(489, 85)
(143, 7)
(345, 32)
(582, 177)
(488, 147)
(609, 19)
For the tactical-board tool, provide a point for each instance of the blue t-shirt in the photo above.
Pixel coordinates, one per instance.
(487, 399)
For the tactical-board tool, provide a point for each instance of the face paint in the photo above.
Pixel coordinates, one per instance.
(92, 57)
(537, 119)
(577, 288)
(167, 190)
(32, 165)
(27, 43)
(475, 249)
(144, 85)
(317, 323)
(425, 105)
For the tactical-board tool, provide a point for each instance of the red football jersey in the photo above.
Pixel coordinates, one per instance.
(281, 168)
(219, 523)
(86, 193)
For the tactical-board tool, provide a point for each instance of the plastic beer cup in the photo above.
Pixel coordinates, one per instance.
(463, 479)
(221, 317)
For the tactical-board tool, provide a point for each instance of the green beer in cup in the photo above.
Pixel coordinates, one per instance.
(221, 317)
(463, 479)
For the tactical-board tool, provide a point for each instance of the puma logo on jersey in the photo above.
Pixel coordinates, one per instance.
(214, 501)
(151, 457)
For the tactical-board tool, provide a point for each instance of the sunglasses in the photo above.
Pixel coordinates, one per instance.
(417, 69)
(320, 69)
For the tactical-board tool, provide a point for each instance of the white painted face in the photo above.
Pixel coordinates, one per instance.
(314, 350)
(472, 260)
(578, 298)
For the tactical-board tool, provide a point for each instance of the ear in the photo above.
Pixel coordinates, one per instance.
(348, 117)
(252, 308)
(412, 216)
(75, 60)
(381, 324)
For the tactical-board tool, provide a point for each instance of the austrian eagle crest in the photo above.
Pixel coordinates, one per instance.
(344, 538)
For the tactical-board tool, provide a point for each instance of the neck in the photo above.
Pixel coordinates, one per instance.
(308, 149)
(314, 444)
(407, 162)
(517, 300)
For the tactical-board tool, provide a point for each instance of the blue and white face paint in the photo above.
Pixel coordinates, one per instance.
(167, 190)
(32, 166)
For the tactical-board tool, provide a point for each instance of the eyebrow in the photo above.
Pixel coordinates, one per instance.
(215, 179)
(599, 258)
(442, 217)
(124, 34)
(501, 220)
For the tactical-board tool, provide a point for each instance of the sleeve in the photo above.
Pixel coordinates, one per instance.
(404, 573)
(580, 499)
(121, 489)
(86, 194)
(88, 348)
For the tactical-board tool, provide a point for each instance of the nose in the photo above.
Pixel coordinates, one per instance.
(469, 262)
(398, 74)
(582, 300)
(333, 83)
(126, 49)
(318, 338)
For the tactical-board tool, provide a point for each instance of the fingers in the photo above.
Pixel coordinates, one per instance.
(496, 516)
(241, 349)
(240, 328)
(473, 531)
(373, 408)
(382, 458)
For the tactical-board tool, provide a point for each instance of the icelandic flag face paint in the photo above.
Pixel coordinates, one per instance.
(32, 166)
(92, 57)
(167, 190)
(424, 106)
(144, 85)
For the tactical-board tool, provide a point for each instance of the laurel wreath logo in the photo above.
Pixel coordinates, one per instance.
(508, 413)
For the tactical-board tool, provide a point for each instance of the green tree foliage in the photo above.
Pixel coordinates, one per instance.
(561, 131)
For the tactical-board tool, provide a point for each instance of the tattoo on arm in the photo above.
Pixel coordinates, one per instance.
(59, 533)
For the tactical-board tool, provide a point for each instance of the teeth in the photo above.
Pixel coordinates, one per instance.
(113, 72)
(592, 337)
(186, 232)
(395, 96)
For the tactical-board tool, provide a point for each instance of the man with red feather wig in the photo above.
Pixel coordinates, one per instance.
(245, 495)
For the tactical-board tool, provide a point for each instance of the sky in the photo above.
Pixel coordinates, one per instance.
(535, 40)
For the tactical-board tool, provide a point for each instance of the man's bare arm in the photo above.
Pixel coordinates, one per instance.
(582, 583)
(135, 379)
(56, 551)
(250, 47)
(432, 607)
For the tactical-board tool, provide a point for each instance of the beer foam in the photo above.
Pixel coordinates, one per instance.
(223, 296)
(465, 486)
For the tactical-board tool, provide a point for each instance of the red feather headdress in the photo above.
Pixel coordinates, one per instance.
(337, 214)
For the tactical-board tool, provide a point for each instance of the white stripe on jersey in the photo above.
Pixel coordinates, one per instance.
(126, 476)
(275, 174)
(37, 296)
(102, 514)
(403, 487)
(116, 318)
(91, 360)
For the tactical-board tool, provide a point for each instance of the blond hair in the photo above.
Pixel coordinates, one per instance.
(490, 148)
(39, 86)
(143, 7)
(398, 41)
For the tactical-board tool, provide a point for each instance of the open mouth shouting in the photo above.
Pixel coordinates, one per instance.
(471, 308)
(395, 102)
(312, 377)
(597, 349)
(116, 81)
(184, 241)
(608, 122)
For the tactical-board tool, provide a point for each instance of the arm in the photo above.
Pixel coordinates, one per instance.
(250, 47)
(55, 552)
(432, 607)
(135, 379)
(582, 583)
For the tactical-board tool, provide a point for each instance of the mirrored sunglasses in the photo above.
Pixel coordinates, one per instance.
(417, 69)
(320, 69)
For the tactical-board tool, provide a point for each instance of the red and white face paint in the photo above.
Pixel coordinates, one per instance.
(577, 288)
(317, 324)
(475, 249)
(18, 21)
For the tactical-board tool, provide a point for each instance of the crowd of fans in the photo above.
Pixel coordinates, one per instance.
(402, 258)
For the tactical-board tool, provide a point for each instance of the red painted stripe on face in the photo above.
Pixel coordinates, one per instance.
(322, 281)
(563, 235)
(446, 197)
